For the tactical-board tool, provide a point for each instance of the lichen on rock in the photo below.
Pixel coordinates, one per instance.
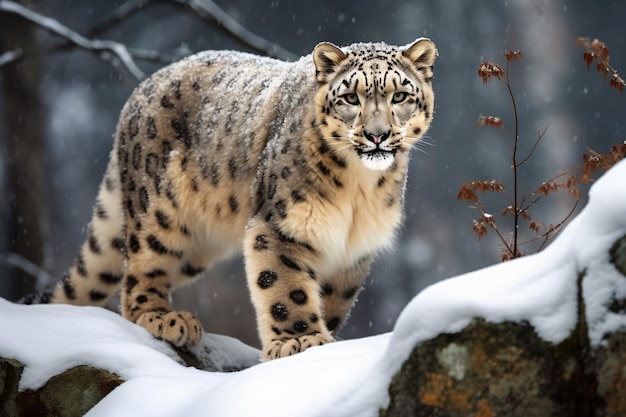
(70, 394)
(507, 370)
(493, 369)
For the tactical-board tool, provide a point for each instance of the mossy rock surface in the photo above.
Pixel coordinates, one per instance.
(69, 394)
(488, 369)
(610, 364)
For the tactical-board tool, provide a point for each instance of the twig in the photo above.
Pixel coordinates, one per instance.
(206, 10)
(108, 50)
(556, 228)
(153, 56)
(11, 56)
(505, 244)
(540, 136)
(210, 11)
(530, 205)
(17, 261)
(488, 220)
(120, 14)
(516, 213)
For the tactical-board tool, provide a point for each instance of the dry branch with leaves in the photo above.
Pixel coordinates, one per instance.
(598, 52)
(519, 203)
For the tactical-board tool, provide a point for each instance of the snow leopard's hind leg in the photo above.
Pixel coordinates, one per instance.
(97, 273)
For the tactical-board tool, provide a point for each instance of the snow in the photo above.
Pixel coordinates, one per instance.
(344, 378)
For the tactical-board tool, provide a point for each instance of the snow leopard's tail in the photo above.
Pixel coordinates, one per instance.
(98, 271)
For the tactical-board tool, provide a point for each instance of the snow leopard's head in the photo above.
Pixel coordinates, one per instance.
(375, 99)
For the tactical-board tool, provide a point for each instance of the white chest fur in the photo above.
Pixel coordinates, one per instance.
(359, 220)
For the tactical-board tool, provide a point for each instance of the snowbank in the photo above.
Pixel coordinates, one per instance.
(344, 378)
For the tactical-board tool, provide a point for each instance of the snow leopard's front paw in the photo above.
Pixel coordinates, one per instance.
(180, 328)
(279, 348)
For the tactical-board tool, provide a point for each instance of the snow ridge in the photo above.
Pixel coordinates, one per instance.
(344, 378)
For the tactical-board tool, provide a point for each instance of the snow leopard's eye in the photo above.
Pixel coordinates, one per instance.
(351, 98)
(399, 97)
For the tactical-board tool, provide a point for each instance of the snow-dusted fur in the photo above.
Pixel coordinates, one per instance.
(302, 165)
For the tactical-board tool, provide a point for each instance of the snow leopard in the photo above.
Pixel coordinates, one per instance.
(301, 166)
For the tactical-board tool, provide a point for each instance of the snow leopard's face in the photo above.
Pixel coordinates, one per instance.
(374, 100)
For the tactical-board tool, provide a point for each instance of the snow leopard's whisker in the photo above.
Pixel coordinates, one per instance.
(347, 146)
(341, 141)
(340, 146)
(419, 146)
(421, 142)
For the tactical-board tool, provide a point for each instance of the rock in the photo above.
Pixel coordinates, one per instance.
(75, 391)
(10, 372)
(69, 394)
(610, 366)
(219, 353)
(486, 370)
(506, 369)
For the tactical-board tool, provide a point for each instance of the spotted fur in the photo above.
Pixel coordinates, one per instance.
(300, 165)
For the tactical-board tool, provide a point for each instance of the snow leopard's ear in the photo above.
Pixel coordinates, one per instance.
(326, 57)
(422, 54)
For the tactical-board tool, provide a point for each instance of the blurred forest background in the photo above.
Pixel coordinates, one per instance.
(59, 106)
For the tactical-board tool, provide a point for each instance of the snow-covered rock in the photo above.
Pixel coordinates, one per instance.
(544, 332)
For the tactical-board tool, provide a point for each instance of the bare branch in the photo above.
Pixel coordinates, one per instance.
(531, 204)
(552, 230)
(153, 56)
(120, 55)
(540, 136)
(108, 50)
(208, 11)
(11, 56)
(514, 161)
(17, 261)
(120, 14)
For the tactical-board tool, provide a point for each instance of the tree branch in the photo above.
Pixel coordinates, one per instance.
(11, 56)
(208, 11)
(540, 136)
(110, 51)
(153, 56)
(17, 261)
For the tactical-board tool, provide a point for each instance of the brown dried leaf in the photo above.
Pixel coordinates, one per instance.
(511, 55)
(549, 187)
(524, 215)
(486, 186)
(487, 69)
(602, 69)
(536, 226)
(479, 227)
(597, 50)
(601, 48)
(467, 194)
(582, 41)
(617, 82)
(490, 121)
(588, 57)
(506, 253)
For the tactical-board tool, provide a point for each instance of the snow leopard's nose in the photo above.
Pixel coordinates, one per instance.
(377, 137)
